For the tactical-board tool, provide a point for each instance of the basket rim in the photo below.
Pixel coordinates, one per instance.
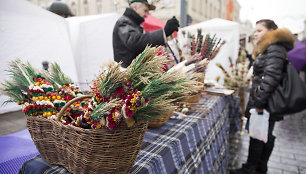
(75, 128)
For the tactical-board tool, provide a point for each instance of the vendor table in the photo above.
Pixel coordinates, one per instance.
(182, 145)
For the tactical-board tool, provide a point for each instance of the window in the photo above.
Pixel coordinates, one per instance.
(99, 6)
(168, 3)
(73, 8)
(211, 11)
(86, 7)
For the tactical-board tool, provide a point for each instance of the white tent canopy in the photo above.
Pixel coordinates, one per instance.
(224, 29)
(80, 44)
(32, 34)
(91, 38)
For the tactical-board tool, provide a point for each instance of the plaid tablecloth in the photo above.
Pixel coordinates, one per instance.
(234, 114)
(182, 145)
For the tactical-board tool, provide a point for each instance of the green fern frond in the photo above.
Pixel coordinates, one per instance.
(7, 102)
(20, 75)
(31, 71)
(12, 91)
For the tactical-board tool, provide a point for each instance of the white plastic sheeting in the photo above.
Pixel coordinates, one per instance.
(91, 38)
(32, 34)
(224, 29)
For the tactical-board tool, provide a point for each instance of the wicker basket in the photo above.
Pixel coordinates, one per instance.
(194, 98)
(159, 121)
(87, 150)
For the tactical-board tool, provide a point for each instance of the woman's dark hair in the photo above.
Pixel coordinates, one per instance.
(268, 23)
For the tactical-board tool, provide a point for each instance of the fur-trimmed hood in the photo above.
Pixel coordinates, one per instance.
(278, 36)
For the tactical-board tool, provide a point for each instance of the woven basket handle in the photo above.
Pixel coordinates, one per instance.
(61, 112)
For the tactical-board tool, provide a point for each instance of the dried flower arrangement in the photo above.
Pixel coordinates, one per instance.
(38, 94)
(142, 91)
(203, 49)
(239, 76)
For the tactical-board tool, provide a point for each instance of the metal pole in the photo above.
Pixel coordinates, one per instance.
(183, 14)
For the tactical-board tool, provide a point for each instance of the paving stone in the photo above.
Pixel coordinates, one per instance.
(283, 166)
(274, 171)
(300, 157)
(297, 163)
(290, 172)
(283, 154)
(298, 146)
(275, 158)
(292, 151)
(283, 145)
(12, 122)
(5, 131)
(302, 170)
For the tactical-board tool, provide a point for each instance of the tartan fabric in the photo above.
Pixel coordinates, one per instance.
(187, 145)
(38, 165)
(234, 114)
(181, 145)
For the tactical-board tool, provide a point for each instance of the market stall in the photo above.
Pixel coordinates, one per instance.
(107, 129)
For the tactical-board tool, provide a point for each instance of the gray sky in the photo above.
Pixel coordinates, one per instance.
(286, 13)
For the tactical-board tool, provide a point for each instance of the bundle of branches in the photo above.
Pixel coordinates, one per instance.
(203, 49)
(207, 46)
(142, 91)
(39, 94)
(239, 75)
(21, 78)
(67, 89)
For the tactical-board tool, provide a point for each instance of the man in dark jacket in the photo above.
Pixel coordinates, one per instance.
(128, 37)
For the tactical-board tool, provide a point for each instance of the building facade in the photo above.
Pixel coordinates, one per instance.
(304, 33)
(246, 33)
(197, 10)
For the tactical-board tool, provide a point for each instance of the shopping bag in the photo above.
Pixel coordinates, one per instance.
(259, 125)
(289, 96)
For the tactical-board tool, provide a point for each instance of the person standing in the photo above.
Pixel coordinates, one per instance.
(272, 45)
(60, 8)
(304, 40)
(129, 40)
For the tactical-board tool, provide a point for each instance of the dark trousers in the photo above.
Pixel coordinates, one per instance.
(260, 152)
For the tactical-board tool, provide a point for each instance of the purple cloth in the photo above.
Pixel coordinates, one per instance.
(297, 56)
(15, 149)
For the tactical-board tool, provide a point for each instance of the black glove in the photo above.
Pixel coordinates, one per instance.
(171, 26)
